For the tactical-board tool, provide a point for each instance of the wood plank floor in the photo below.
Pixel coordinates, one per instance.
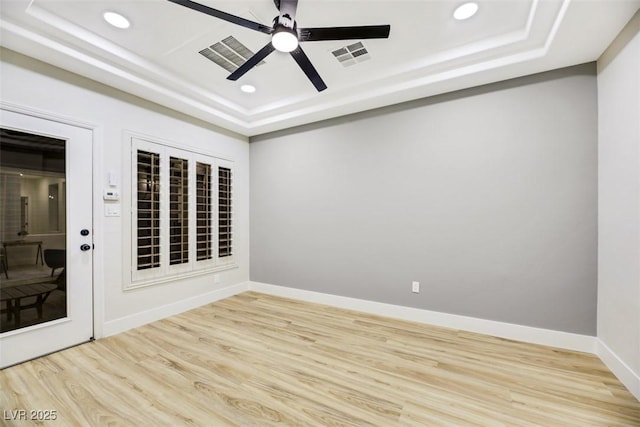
(258, 360)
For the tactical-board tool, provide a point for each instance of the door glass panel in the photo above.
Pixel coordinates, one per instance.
(32, 229)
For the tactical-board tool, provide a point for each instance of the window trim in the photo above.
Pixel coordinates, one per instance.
(167, 272)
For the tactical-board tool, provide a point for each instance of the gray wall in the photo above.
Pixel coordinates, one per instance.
(487, 197)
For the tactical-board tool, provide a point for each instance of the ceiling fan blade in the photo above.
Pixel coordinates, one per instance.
(344, 33)
(224, 16)
(251, 62)
(303, 61)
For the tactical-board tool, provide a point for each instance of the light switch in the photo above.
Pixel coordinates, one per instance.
(112, 209)
(113, 179)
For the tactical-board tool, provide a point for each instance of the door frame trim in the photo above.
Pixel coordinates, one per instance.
(97, 139)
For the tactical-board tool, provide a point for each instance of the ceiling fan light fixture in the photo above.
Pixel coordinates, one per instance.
(465, 11)
(284, 39)
(116, 20)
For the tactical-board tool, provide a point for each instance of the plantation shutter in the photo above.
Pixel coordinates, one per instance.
(148, 210)
(225, 235)
(178, 211)
(204, 215)
(182, 213)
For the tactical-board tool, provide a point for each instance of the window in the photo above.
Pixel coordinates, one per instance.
(178, 211)
(148, 218)
(204, 222)
(178, 203)
(225, 240)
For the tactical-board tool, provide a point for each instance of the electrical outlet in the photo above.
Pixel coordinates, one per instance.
(415, 287)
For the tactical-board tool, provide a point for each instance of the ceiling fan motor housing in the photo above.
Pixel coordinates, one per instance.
(285, 20)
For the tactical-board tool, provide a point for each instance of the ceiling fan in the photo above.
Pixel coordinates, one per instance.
(286, 36)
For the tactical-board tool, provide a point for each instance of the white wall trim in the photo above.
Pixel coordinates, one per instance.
(564, 340)
(98, 231)
(122, 324)
(620, 369)
(559, 339)
(46, 115)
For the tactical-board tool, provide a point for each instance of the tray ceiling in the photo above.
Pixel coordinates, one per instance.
(428, 52)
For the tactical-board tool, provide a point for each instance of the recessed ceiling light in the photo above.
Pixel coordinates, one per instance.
(248, 88)
(116, 20)
(465, 11)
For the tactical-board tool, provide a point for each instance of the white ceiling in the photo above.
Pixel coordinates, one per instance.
(428, 52)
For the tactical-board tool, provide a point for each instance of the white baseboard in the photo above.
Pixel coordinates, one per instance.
(529, 334)
(625, 374)
(564, 340)
(122, 324)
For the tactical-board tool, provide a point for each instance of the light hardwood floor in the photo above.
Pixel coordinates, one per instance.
(258, 360)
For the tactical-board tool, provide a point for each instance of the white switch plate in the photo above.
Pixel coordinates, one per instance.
(112, 209)
(415, 287)
(113, 178)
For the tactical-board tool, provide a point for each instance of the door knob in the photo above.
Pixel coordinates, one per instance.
(85, 247)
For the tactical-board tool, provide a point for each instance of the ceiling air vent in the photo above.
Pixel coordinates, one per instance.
(351, 54)
(229, 53)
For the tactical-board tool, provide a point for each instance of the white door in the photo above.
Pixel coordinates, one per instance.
(46, 168)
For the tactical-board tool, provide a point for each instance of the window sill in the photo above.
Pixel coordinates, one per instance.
(176, 277)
